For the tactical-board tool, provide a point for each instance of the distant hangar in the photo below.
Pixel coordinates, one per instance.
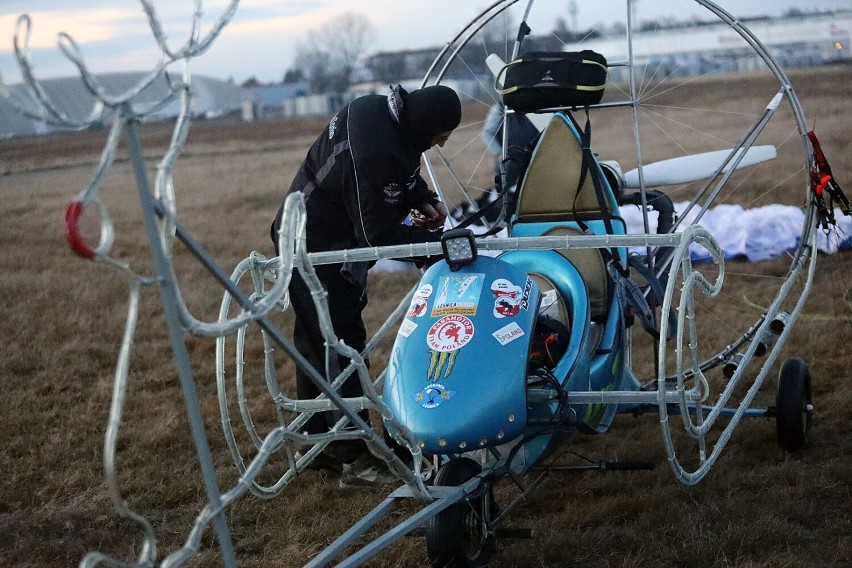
(213, 97)
(704, 47)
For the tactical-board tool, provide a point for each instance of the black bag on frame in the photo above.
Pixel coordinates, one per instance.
(539, 80)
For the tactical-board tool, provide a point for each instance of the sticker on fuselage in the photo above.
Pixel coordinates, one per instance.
(510, 298)
(444, 339)
(418, 304)
(407, 327)
(458, 295)
(450, 333)
(433, 395)
(508, 333)
(441, 364)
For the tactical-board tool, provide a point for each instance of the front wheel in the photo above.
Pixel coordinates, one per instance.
(460, 535)
(794, 405)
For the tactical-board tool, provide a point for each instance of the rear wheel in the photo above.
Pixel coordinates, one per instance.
(794, 405)
(460, 535)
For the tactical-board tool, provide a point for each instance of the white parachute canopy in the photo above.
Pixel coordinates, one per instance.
(756, 234)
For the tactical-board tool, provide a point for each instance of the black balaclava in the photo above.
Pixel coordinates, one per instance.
(428, 112)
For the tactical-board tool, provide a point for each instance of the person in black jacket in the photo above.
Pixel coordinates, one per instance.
(361, 182)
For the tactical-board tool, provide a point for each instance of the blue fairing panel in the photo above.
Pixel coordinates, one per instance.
(457, 372)
(572, 369)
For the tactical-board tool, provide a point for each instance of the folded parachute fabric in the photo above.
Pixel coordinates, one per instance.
(755, 234)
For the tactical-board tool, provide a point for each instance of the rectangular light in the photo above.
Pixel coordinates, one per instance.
(459, 247)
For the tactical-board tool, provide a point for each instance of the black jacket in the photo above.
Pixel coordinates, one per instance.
(360, 179)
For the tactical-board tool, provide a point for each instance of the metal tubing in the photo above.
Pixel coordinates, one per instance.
(445, 496)
(454, 494)
(513, 243)
(181, 355)
(369, 435)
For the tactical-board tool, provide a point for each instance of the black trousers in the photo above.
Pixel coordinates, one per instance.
(346, 301)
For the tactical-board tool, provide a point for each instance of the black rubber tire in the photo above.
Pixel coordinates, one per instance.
(793, 405)
(455, 536)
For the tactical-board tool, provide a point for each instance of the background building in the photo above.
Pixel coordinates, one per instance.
(703, 47)
(668, 48)
(213, 98)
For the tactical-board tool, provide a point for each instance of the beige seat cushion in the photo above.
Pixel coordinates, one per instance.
(591, 266)
(549, 187)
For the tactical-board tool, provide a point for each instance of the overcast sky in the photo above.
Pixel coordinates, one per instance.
(114, 35)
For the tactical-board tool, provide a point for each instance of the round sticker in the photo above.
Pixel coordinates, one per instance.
(502, 287)
(418, 303)
(506, 306)
(450, 333)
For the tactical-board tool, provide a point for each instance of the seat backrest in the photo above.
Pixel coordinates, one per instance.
(550, 194)
(550, 189)
(591, 266)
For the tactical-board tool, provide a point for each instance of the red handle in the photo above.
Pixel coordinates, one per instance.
(73, 236)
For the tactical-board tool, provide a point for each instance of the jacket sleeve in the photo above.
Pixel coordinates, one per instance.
(421, 194)
(381, 200)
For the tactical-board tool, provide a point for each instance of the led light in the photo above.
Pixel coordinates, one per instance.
(459, 247)
(422, 444)
(442, 442)
(462, 444)
(500, 435)
(483, 441)
(511, 418)
(459, 250)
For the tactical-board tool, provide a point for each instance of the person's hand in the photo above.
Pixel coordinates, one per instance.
(433, 217)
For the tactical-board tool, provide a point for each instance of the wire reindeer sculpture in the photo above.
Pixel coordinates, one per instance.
(271, 278)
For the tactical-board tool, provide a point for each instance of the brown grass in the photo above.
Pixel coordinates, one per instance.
(62, 320)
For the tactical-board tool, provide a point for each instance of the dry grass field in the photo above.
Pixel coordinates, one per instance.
(61, 323)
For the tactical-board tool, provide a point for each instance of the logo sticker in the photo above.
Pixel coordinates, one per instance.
(525, 299)
(507, 298)
(441, 362)
(508, 333)
(458, 295)
(417, 307)
(450, 333)
(407, 327)
(433, 395)
(506, 306)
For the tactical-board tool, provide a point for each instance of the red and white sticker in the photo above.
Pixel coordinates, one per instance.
(418, 304)
(506, 307)
(502, 287)
(407, 327)
(507, 298)
(508, 333)
(450, 333)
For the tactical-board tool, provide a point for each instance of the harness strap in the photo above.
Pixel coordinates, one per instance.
(479, 214)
